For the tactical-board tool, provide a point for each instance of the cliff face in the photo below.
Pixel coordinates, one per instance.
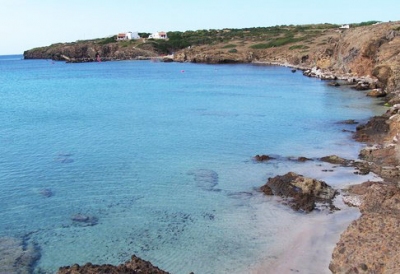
(89, 51)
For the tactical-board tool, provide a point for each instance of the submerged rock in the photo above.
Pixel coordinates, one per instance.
(84, 220)
(205, 179)
(134, 266)
(349, 122)
(46, 192)
(300, 193)
(16, 256)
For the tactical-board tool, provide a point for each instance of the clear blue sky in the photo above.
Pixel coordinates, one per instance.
(25, 24)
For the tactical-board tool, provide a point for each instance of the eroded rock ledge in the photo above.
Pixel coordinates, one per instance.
(371, 243)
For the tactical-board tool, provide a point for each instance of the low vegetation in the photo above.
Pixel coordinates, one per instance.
(229, 38)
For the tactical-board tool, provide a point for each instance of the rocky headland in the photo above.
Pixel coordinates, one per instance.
(363, 58)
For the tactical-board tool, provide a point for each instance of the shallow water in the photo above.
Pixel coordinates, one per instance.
(159, 156)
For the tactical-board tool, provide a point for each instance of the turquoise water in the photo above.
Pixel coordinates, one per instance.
(159, 155)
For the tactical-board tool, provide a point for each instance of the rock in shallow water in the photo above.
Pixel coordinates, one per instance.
(300, 193)
(135, 265)
(205, 179)
(16, 256)
(84, 220)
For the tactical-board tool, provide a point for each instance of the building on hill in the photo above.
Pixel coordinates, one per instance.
(344, 26)
(127, 36)
(158, 35)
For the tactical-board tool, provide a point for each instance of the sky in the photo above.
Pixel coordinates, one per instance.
(26, 24)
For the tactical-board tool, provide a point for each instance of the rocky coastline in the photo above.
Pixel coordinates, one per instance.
(366, 58)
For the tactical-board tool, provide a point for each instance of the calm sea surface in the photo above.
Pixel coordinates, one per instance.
(158, 158)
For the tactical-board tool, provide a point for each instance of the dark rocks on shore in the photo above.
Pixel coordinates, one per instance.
(349, 122)
(334, 84)
(362, 167)
(300, 193)
(134, 266)
(336, 160)
(362, 86)
(262, 158)
(303, 159)
(373, 131)
(377, 93)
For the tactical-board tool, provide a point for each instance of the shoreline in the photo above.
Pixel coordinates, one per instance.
(386, 140)
(303, 238)
(361, 243)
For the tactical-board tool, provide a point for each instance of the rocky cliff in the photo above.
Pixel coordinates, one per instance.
(90, 51)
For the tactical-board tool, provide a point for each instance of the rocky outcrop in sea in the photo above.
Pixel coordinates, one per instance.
(301, 193)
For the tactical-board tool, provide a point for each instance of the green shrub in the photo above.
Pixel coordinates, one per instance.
(299, 47)
(232, 51)
(260, 46)
(108, 40)
(278, 42)
(367, 23)
(229, 46)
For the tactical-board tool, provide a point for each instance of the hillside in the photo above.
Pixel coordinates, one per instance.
(365, 49)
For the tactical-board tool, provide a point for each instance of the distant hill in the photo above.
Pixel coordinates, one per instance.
(364, 49)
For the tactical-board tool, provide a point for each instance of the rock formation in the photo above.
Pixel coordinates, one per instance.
(371, 243)
(17, 256)
(89, 52)
(300, 193)
(134, 266)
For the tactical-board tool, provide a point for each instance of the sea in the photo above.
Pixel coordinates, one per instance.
(101, 161)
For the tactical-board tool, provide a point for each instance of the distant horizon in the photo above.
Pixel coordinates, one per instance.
(110, 35)
(26, 24)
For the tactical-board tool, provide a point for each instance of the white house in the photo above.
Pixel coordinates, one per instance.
(127, 36)
(344, 27)
(158, 35)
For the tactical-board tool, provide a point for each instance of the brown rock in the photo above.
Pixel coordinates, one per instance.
(300, 193)
(134, 266)
(336, 160)
(263, 158)
(371, 244)
(374, 131)
(377, 93)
